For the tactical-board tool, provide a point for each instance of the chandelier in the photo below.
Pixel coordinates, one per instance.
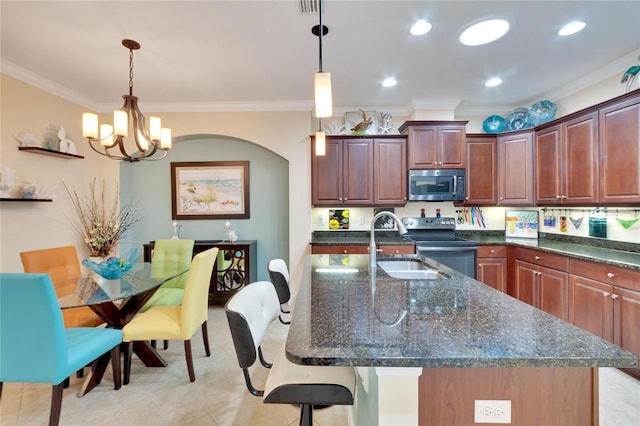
(147, 139)
(322, 86)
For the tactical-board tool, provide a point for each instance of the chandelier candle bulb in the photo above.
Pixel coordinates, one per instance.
(165, 138)
(89, 125)
(121, 123)
(154, 128)
(106, 135)
(143, 142)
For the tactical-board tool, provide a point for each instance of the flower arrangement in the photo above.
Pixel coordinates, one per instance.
(101, 226)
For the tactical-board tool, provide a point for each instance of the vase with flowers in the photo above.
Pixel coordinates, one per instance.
(101, 225)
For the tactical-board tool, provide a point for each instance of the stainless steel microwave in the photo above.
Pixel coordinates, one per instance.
(436, 185)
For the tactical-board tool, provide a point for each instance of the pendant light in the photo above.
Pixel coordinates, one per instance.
(322, 86)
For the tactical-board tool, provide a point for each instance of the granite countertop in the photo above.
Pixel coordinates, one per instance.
(361, 319)
(624, 255)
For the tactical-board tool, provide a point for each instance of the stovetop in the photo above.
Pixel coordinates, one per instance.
(433, 231)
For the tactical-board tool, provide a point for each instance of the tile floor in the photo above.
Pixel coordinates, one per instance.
(218, 397)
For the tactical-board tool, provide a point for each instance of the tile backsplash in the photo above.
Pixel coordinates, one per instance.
(620, 221)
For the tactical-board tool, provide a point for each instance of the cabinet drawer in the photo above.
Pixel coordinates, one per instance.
(606, 273)
(537, 257)
(359, 249)
(492, 251)
(396, 249)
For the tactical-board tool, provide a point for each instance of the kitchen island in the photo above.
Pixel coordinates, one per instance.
(427, 349)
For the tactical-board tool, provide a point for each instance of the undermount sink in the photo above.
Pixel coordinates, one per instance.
(410, 270)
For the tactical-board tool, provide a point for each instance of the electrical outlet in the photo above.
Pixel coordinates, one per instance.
(492, 411)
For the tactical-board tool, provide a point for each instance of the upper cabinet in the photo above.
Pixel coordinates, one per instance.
(482, 169)
(620, 152)
(566, 162)
(357, 171)
(435, 144)
(515, 168)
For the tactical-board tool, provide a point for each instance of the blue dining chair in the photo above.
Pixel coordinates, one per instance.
(35, 347)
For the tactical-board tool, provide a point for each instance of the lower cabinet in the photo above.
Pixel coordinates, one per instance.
(492, 266)
(605, 301)
(542, 281)
(235, 267)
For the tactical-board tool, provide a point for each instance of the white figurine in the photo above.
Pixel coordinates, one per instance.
(231, 234)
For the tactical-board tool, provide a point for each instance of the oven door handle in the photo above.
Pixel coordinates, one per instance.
(448, 249)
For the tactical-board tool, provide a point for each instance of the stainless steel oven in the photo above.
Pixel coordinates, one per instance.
(435, 238)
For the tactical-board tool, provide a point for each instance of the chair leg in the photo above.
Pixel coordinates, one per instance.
(65, 384)
(153, 344)
(166, 345)
(0, 390)
(56, 404)
(205, 338)
(115, 365)
(80, 373)
(264, 362)
(283, 321)
(306, 415)
(189, 356)
(128, 349)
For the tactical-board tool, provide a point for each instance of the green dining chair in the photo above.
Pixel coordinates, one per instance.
(169, 257)
(35, 347)
(177, 322)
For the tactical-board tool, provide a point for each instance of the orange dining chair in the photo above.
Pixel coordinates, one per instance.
(62, 264)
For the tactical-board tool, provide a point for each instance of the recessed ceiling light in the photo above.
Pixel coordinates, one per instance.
(420, 28)
(484, 32)
(492, 82)
(572, 28)
(389, 82)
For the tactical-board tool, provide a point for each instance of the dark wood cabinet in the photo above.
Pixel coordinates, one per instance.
(357, 171)
(344, 249)
(620, 152)
(235, 267)
(492, 266)
(435, 144)
(605, 300)
(542, 281)
(566, 162)
(390, 171)
(482, 170)
(515, 168)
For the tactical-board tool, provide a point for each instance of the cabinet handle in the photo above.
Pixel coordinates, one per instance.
(479, 265)
(397, 251)
(614, 296)
(345, 251)
(605, 294)
(537, 257)
(564, 196)
(502, 198)
(466, 198)
(539, 273)
(558, 197)
(611, 274)
(492, 251)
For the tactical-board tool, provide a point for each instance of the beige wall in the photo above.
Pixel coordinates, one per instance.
(28, 226)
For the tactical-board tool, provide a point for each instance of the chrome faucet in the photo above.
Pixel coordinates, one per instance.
(372, 245)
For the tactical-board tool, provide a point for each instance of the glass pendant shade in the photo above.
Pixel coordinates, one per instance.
(320, 143)
(154, 128)
(322, 85)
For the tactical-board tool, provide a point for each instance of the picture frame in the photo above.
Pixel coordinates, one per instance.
(210, 190)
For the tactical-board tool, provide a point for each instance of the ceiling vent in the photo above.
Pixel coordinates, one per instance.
(308, 6)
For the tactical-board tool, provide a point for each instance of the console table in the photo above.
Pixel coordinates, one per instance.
(235, 267)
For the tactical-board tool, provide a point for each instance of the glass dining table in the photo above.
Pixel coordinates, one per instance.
(117, 301)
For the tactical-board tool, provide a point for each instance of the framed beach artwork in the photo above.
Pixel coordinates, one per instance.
(210, 190)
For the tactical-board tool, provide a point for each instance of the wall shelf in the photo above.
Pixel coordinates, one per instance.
(29, 200)
(45, 151)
